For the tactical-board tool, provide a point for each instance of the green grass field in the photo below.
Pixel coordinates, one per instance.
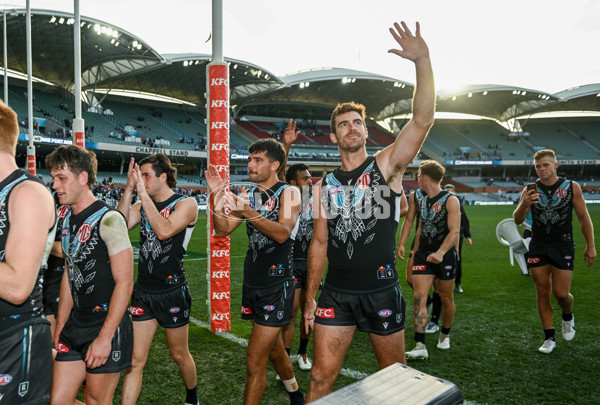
(495, 335)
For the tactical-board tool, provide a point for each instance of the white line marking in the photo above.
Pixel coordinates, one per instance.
(243, 342)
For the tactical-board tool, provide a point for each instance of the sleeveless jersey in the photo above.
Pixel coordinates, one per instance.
(160, 266)
(88, 264)
(10, 314)
(56, 265)
(418, 197)
(267, 261)
(305, 231)
(552, 217)
(434, 221)
(362, 217)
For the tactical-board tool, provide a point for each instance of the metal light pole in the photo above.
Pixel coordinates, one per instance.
(78, 124)
(31, 148)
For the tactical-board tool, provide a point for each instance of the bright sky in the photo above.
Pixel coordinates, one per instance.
(547, 45)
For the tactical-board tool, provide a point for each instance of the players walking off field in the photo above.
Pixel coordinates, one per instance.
(161, 295)
(551, 200)
(435, 254)
(27, 226)
(94, 336)
(271, 212)
(356, 213)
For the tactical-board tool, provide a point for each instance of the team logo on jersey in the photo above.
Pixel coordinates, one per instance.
(325, 312)
(84, 233)
(62, 348)
(116, 355)
(174, 310)
(246, 310)
(63, 210)
(533, 260)
(420, 267)
(269, 308)
(165, 212)
(437, 207)
(5, 379)
(363, 181)
(332, 190)
(561, 193)
(136, 311)
(65, 231)
(384, 313)
(269, 204)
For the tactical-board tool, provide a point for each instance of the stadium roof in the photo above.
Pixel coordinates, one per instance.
(114, 59)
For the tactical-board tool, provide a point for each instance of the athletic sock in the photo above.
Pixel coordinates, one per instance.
(567, 317)
(429, 300)
(420, 337)
(296, 397)
(191, 396)
(445, 331)
(302, 347)
(437, 308)
(288, 350)
(549, 333)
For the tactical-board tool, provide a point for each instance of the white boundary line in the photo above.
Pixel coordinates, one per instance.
(243, 342)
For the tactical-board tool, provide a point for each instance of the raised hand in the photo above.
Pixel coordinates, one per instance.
(412, 46)
(214, 181)
(132, 175)
(290, 135)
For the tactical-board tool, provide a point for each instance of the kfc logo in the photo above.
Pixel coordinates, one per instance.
(84, 233)
(136, 311)
(220, 317)
(220, 253)
(222, 168)
(219, 146)
(325, 312)
(220, 274)
(219, 125)
(219, 103)
(246, 310)
(220, 295)
(62, 348)
(219, 82)
(533, 260)
(421, 267)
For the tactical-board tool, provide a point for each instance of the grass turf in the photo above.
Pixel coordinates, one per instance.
(495, 335)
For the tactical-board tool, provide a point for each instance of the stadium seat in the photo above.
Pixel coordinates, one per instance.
(508, 235)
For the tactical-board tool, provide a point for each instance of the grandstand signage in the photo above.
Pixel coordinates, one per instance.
(168, 152)
(218, 156)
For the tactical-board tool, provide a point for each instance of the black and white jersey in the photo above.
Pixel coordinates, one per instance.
(552, 217)
(362, 217)
(305, 230)
(160, 265)
(434, 221)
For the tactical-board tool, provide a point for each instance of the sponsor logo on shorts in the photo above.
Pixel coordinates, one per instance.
(384, 313)
(15, 316)
(136, 311)
(269, 308)
(62, 348)
(325, 312)
(385, 325)
(174, 310)
(84, 233)
(533, 260)
(448, 267)
(568, 257)
(246, 310)
(165, 212)
(5, 379)
(420, 267)
(280, 315)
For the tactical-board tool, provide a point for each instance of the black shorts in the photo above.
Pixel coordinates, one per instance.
(270, 306)
(75, 340)
(171, 309)
(50, 293)
(561, 257)
(382, 312)
(26, 363)
(299, 271)
(446, 270)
